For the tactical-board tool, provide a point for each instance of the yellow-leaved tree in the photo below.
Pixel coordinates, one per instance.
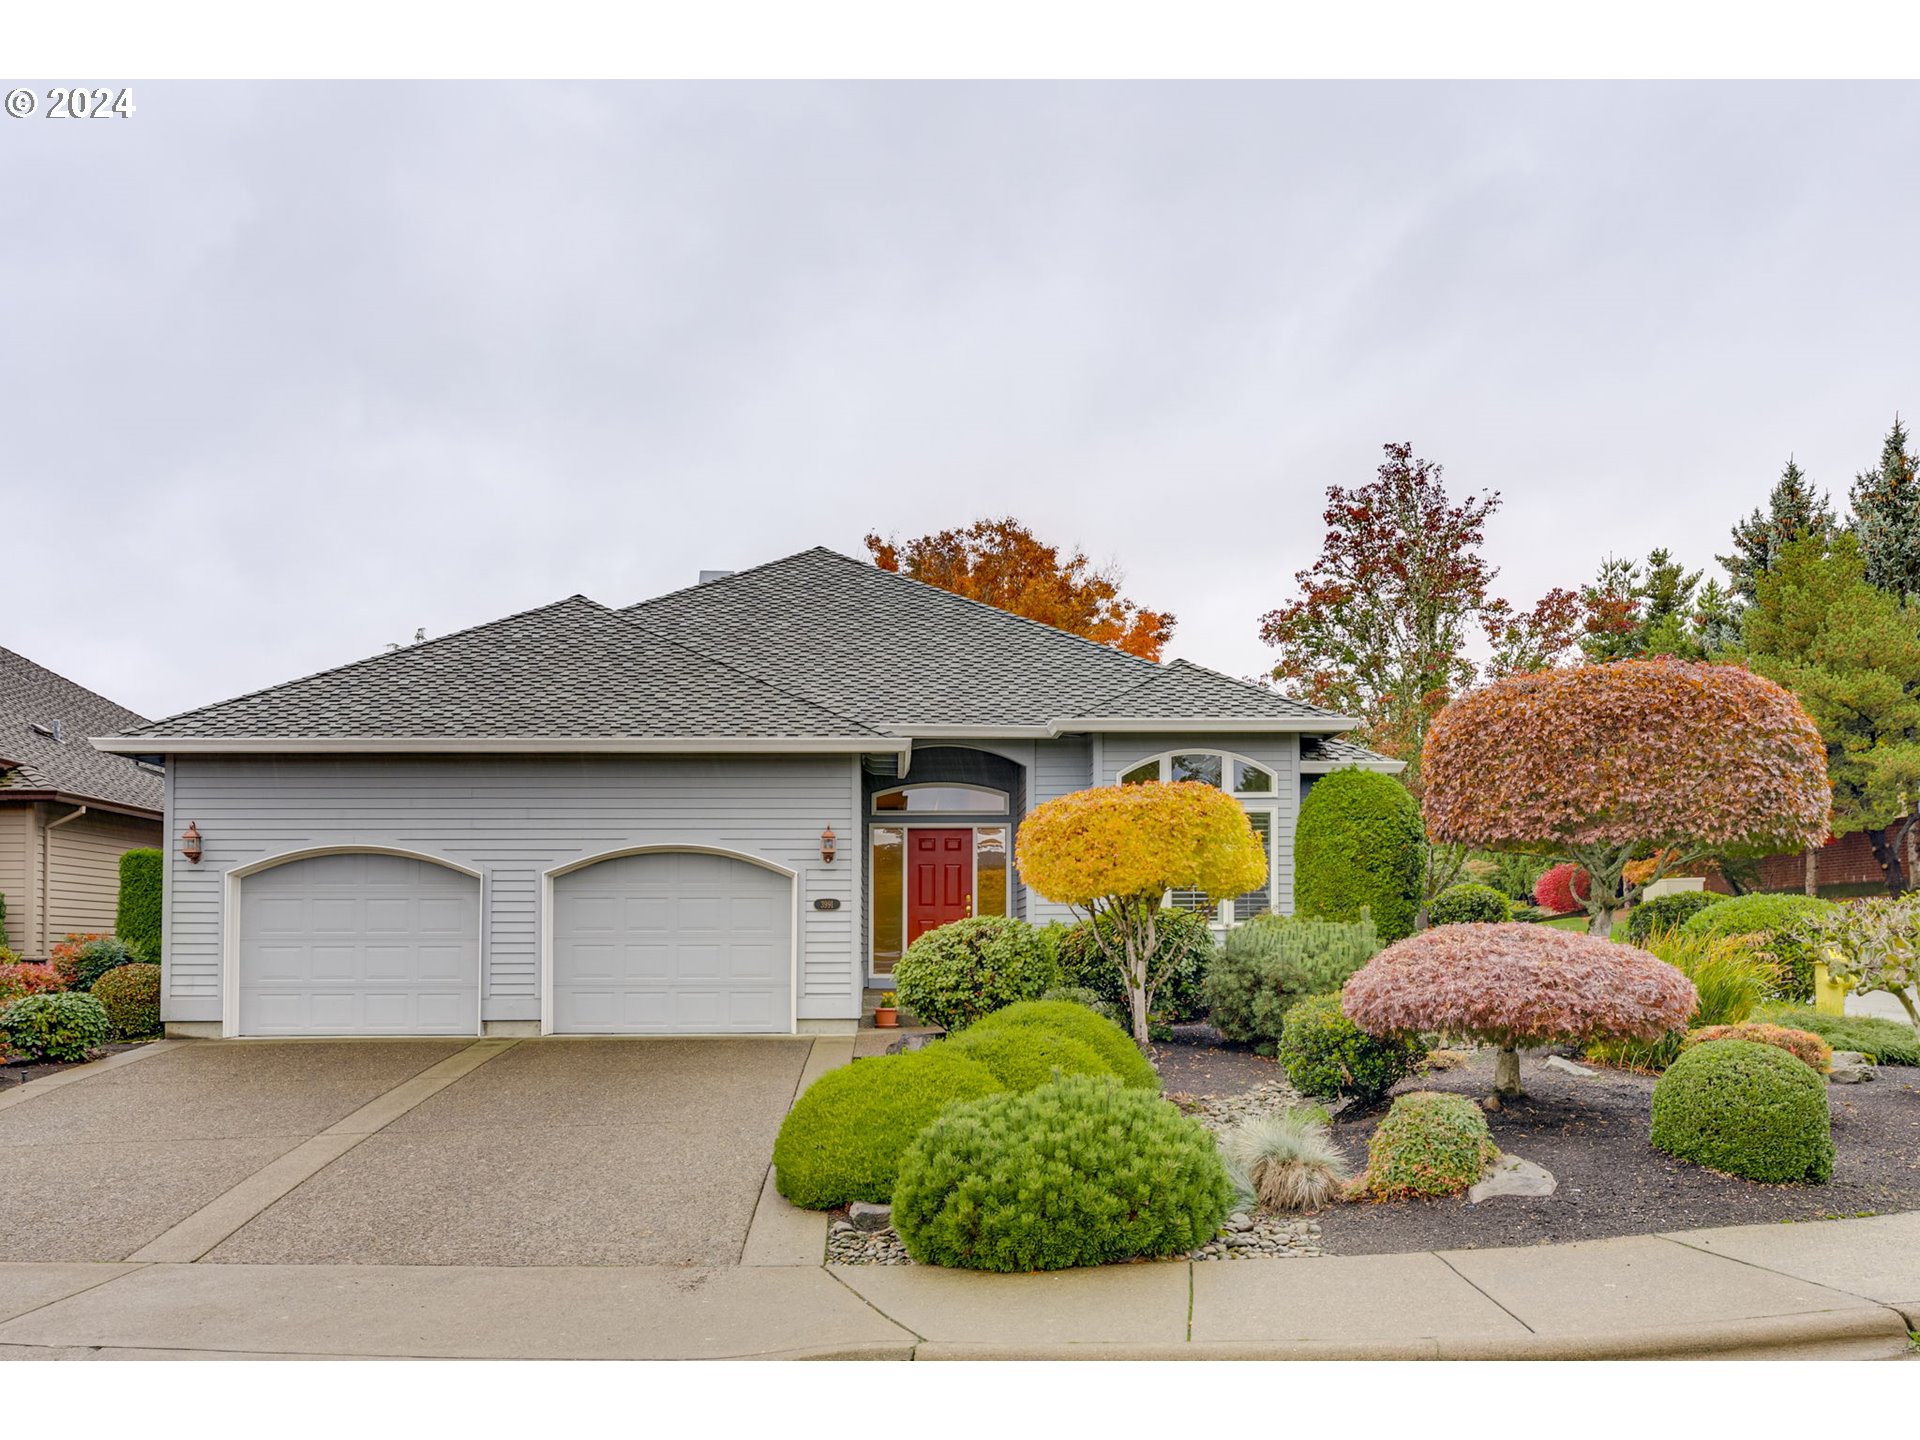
(1112, 853)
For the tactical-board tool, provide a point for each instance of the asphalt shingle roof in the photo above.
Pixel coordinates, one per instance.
(32, 695)
(570, 670)
(892, 651)
(1339, 752)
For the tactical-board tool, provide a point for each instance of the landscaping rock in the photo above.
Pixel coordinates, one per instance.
(1510, 1175)
(1850, 1067)
(1567, 1067)
(870, 1217)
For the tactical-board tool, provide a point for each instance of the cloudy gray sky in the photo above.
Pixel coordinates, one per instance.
(291, 370)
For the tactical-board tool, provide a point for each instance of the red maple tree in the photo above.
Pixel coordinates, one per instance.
(1000, 562)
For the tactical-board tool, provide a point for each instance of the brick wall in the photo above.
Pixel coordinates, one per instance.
(1845, 862)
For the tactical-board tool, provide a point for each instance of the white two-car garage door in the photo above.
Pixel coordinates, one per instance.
(672, 943)
(359, 944)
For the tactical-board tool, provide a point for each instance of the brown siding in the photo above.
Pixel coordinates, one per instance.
(85, 869)
(16, 855)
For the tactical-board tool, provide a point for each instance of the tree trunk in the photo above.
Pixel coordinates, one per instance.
(1812, 859)
(1886, 850)
(1602, 922)
(1506, 1073)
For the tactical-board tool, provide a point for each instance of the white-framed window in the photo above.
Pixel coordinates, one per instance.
(940, 798)
(1255, 786)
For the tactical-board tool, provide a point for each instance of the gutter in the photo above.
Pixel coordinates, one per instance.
(46, 874)
(875, 744)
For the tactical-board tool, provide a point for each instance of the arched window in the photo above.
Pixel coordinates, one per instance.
(1256, 788)
(940, 799)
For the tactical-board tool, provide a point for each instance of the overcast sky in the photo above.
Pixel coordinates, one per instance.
(291, 370)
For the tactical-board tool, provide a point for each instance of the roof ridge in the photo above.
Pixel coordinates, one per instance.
(382, 656)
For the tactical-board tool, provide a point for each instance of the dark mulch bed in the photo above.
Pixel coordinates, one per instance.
(1593, 1135)
(1197, 1062)
(18, 1072)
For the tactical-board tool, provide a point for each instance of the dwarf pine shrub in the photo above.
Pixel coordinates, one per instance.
(1269, 965)
(1091, 1029)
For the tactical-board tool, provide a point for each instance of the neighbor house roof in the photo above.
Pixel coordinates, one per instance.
(1321, 753)
(814, 651)
(45, 722)
(573, 670)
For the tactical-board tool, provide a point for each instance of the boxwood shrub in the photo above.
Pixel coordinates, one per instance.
(1889, 1042)
(1469, 903)
(1358, 847)
(1268, 965)
(1430, 1143)
(1024, 1057)
(844, 1137)
(1667, 912)
(1745, 1109)
(952, 976)
(1326, 1054)
(1081, 1171)
(53, 1027)
(137, 920)
(1772, 917)
(1186, 951)
(130, 995)
(1092, 1029)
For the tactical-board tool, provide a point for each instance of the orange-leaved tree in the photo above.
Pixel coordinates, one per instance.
(1003, 564)
(1113, 852)
(1604, 763)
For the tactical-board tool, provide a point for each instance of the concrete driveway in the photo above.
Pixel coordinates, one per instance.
(414, 1152)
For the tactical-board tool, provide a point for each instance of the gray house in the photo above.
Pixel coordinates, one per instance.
(725, 810)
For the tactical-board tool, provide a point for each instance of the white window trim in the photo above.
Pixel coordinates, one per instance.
(1266, 802)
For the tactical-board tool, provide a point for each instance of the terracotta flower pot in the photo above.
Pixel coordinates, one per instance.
(886, 1019)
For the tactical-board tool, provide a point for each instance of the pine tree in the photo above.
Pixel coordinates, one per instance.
(1794, 510)
(1886, 516)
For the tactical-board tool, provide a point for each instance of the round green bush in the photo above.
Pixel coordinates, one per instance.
(844, 1137)
(1745, 1109)
(1430, 1143)
(1082, 1171)
(1326, 1054)
(952, 976)
(1025, 1057)
(1667, 912)
(1081, 995)
(1469, 903)
(1103, 1036)
(1358, 846)
(1772, 917)
(131, 997)
(1184, 950)
(54, 1027)
(1268, 965)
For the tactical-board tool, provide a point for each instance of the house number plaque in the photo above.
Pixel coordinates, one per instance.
(827, 902)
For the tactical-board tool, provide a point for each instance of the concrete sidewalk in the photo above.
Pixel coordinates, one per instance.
(1832, 1289)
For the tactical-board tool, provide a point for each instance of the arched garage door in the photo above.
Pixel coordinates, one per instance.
(672, 943)
(359, 944)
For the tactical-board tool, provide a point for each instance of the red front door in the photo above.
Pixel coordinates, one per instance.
(939, 879)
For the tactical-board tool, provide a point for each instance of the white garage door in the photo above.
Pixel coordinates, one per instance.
(672, 943)
(359, 945)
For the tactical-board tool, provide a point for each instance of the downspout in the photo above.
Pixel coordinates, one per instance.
(46, 876)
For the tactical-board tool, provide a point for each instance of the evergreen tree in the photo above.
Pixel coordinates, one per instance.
(1716, 620)
(1886, 516)
(1851, 653)
(1794, 510)
(1632, 610)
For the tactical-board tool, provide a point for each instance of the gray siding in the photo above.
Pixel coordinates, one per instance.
(1060, 767)
(512, 818)
(1279, 753)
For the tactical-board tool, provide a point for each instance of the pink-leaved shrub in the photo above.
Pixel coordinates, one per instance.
(1516, 986)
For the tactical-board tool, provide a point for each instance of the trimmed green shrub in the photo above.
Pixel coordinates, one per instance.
(137, 920)
(1772, 917)
(1430, 1143)
(1024, 1057)
(53, 1027)
(1185, 947)
(1745, 1109)
(1667, 912)
(1326, 1054)
(952, 976)
(84, 961)
(1358, 847)
(1081, 995)
(131, 997)
(1081, 1171)
(1103, 1036)
(1803, 1045)
(844, 1137)
(1887, 1041)
(1267, 965)
(1469, 903)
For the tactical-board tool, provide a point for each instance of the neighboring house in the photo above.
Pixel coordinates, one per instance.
(724, 810)
(67, 810)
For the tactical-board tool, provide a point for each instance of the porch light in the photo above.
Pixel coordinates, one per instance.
(190, 843)
(828, 840)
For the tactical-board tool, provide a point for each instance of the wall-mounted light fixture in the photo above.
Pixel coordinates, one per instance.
(190, 845)
(828, 842)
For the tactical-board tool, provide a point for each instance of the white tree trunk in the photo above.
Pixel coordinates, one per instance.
(1506, 1073)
